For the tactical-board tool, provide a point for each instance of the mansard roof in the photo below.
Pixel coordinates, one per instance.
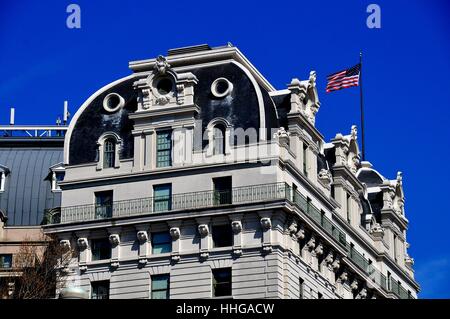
(248, 106)
(27, 194)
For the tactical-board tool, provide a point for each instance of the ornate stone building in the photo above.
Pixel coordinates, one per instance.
(194, 177)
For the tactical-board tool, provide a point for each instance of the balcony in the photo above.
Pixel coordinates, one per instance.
(175, 202)
(399, 291)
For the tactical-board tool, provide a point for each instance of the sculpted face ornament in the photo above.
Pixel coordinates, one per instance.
(266, 223)
(301, 233)
(142, 236)
(82, 243)
(236, 226)
(203, 230)
(114, 239)
(65, 244)
(175, 233)
(161, 65)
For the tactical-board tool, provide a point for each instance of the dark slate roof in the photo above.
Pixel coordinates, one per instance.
(370, 177)
(27, 191)
(240, 109)
(283, 105)
(94, 121)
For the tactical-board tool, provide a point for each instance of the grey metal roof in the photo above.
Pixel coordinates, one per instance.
(27, 191)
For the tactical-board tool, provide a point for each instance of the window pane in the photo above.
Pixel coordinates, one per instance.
(109, 153)
(164, 149)
(103, 204)
(161, 243)
(162, 197)
(100, 290)
(6, 261)
(160, 287)
(221, 282)
(101, 249)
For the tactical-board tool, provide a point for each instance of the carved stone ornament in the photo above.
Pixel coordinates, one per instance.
(161, 65)
(300, 233)
(175, 257)
(236, 226)
(377, 230)
(204, 255)
(325, 176)
(267, 249)
(114, 239)
(162, 100)
(311, 243)
(115, 264)
(354, 285)
(362, 294)
(293, 227)
(409, 261)
(142, 261)
(174, 232)
(329, 258)
(266, 223)
(281, 133)
(336, 264)
(203, 230)
(319, 249)
(142, 236)
(344, 276)
(354, 132)
(65, 243)
(237, 252)
(82, 243)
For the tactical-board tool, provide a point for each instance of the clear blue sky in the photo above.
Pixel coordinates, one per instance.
(406, 77)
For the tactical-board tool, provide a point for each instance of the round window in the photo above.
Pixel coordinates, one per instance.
(113, 102)
(221, 87)
(164, 86)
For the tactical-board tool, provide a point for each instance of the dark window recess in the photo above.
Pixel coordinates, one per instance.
(109, 153)
(164, 86)
(305, 159)
(222, 190)
(219, 139)
(222, 235)
(160, 286)
(59, 176)
(221, 282)
(162, 197)
(101, 249)
(301, 288)
(6, 261)
(103, 204)
(161, 243)
(100, 289)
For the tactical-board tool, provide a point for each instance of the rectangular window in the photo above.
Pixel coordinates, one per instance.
(160, 286)
(348, 208)
(222, 190)
(161, 243)
(221, 282)
(101, 249)
(305, 159)
(162, 197)
(163, 148)
(100, 289)
(222, 235)
(6, 261)
(103, 204)
(301, 288)
(395, 247)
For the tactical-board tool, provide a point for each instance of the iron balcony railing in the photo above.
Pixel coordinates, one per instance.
(205, 199)
(399, 291)
(193, 200)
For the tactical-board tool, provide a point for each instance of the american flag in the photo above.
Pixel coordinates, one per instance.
(343, 79)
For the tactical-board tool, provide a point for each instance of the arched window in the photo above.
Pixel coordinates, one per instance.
(109, 153)
(219, 139)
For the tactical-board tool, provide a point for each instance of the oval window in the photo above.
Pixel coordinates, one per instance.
(221, 87)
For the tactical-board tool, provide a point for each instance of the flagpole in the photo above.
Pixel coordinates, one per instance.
(362, 106)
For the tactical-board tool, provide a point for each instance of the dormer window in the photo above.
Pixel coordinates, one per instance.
(219, 139)
(4, 171)
(57, 173)
(108, 151)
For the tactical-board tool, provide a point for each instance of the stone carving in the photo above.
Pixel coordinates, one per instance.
(409, 261)
(319, 249)
(377, 230)
(114, 264)
(65, 244)
(329, 258)
(142, 261)
(325, 177)
(114, 239)
(344, 276)
(142, 236)
(161, 65)
(203, 230)
(175, 233)
(82, 243)
(362, 294)
(175, 257)
(282, 135)
(301, 232)
(204, 255)
(354, 132)
(266, 223)
(236, 226)
(354, 285)
(336, 264)
(311, 243)
(237, 252)
(293, 227)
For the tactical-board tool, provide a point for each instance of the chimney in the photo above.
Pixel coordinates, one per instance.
(11, 117)
(66, 112)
